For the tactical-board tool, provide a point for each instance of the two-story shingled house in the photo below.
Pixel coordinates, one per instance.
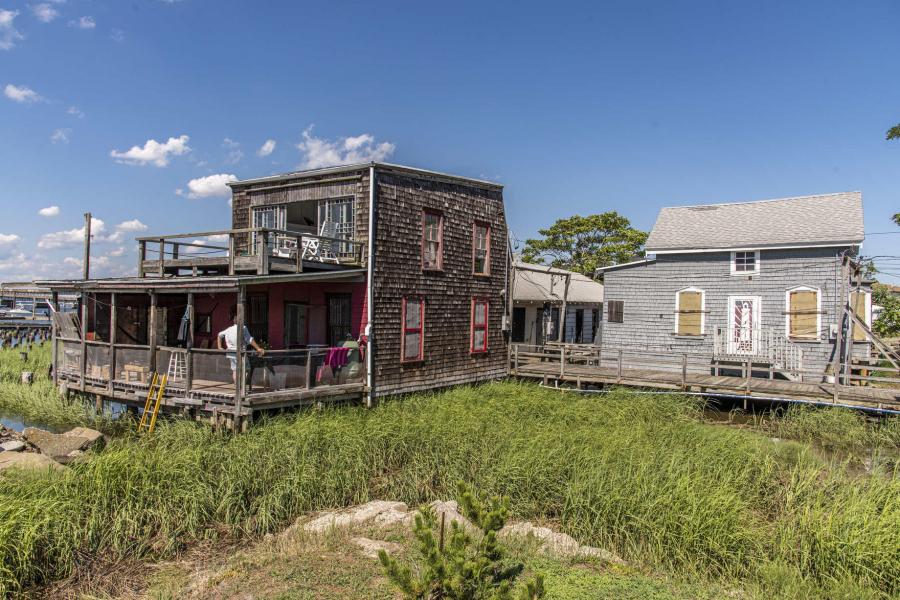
(758, 281)
(405, 267)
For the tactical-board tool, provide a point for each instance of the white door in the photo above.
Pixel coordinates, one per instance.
(743, 325)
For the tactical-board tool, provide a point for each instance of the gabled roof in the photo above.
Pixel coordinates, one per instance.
(824, 220)
(540, 283)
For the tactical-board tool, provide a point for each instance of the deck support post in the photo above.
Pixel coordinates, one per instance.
(683, 371)
(516, 360)
(562, 362)
(749, 374)
(54, 363)
(240, 372)
(308, 368)
(142, 256)
(84, 327)
(189, 356)
(839, 342)
(113, 325)
(151, 334)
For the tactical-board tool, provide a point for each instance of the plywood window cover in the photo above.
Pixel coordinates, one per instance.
(790, 313)
(479, 326)
(865, 313)
(439, 258)
(405, 330)
(738, 263)
(486, 228)
(679, 311)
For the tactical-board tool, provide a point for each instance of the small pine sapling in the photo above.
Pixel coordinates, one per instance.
(464, 566)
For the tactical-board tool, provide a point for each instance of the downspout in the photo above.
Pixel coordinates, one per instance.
(370, 295)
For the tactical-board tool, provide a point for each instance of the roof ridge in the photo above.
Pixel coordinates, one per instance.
(744, 202)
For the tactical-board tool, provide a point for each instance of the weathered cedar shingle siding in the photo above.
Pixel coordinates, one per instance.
(648, 292)
(448, 293)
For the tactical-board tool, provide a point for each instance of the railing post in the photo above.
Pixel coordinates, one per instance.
(240, 351)
(562, 362)
(142, 256)
(263, 250)
(619, 368)
(151, 334)
(84, 328)
(54, 361)
(175, 250)
(113, 325)
(162, 257)
(231, 247)
(749, 373)
(516, 360)
(188, 355)
(299, 239)
(308, 368)
(683, 371)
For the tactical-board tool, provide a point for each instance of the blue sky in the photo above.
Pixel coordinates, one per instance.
(139, 111)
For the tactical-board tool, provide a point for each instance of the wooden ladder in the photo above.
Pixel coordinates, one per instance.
(151, 405)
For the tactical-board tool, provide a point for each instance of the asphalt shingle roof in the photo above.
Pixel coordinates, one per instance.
(533, 286)
(805, 220)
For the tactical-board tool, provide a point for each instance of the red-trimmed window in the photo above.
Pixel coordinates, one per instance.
(479, 325)
(432, 241)
(481, 249)
(412, 343)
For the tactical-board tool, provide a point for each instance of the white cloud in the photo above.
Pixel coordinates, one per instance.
(44, 12)
(9, 35)
(83, 23)
(71, 260)
(70, 237)
(320, 152)
(120, 251)
(50, 211)
(61, 136)
(153, 152)
(21, 93)
(116, 35)
(75, 112)
(210, 186)
(235, 154)
(7, 239)
(267, 148)
(132, 226)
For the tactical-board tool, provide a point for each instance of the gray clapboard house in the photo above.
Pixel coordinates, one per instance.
(756, 281)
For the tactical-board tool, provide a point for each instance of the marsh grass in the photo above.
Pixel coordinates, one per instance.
(834, 428)
(642, 476)
(12, 365)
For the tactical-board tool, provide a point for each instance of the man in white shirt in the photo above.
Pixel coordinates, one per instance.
(227, 340)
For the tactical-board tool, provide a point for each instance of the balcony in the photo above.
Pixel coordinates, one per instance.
(254, 250)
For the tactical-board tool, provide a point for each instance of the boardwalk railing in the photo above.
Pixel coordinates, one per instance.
(760, 345)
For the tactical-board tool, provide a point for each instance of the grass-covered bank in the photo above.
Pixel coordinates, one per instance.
(641, 475)
(12, 365)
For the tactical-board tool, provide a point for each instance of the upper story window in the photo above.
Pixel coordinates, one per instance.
(745, 263)
(412, 343)
(479, 325)
(615, 311)
(432, 241)
(481, 249)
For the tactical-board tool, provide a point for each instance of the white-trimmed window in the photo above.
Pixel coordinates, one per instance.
(803, 313)
(745, 262)
(861, 303)
(690, 312)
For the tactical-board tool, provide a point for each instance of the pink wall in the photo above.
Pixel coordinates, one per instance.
(313, 294)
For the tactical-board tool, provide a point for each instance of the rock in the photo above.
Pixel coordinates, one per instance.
(371, 547)
(557, 543)
(353, 516)
(92, 435)
(27, 377)
(60, 447)
(12, 446)
(27, 460)
(393, 517)
(451, 510)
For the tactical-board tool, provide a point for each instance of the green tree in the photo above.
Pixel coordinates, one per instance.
(888, 322)
(467, 567)
(584, 244)
(894, 133)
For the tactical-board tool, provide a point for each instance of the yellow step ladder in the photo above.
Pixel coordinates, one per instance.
(151, 406)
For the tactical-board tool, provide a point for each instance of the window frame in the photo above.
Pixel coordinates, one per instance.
(487, 250)
(734, 270)
(866, 317)
(788, 314)
(404, 330)
(440, 240)
(609, 311)
(473, 327)
(702, 293)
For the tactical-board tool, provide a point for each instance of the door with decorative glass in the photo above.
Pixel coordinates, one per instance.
(743, 325)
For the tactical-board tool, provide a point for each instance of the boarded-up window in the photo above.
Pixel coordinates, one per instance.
(479, 325)
(858, 303)
(432, 241)
(690, 312)
(803, 314)
(412, 343)
(615, 311)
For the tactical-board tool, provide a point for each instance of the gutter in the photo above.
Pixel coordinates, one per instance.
(370, 293)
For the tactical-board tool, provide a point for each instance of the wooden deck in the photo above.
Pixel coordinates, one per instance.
(585, 370)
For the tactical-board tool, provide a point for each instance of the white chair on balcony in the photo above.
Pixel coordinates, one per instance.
(322, 250)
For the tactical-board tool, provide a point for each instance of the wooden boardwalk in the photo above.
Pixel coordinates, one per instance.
(585, 370)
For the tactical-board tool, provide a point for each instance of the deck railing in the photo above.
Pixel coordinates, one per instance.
(760, 345)
(255, 249)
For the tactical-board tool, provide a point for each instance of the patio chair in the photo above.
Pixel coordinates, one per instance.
(316, 248)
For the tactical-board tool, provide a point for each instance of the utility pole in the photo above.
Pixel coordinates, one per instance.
(87, 246)
(565, 307)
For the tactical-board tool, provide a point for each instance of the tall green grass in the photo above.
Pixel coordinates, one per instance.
(641, 475)
(835, 428)
(12, 365)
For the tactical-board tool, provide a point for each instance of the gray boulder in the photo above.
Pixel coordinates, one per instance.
(27, 460)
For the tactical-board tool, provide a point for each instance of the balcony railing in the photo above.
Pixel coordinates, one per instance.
(257, 250)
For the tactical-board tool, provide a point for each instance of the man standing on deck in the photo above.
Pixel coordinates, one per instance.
(228, 338)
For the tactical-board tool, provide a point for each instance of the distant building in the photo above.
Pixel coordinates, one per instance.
(537, 301)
